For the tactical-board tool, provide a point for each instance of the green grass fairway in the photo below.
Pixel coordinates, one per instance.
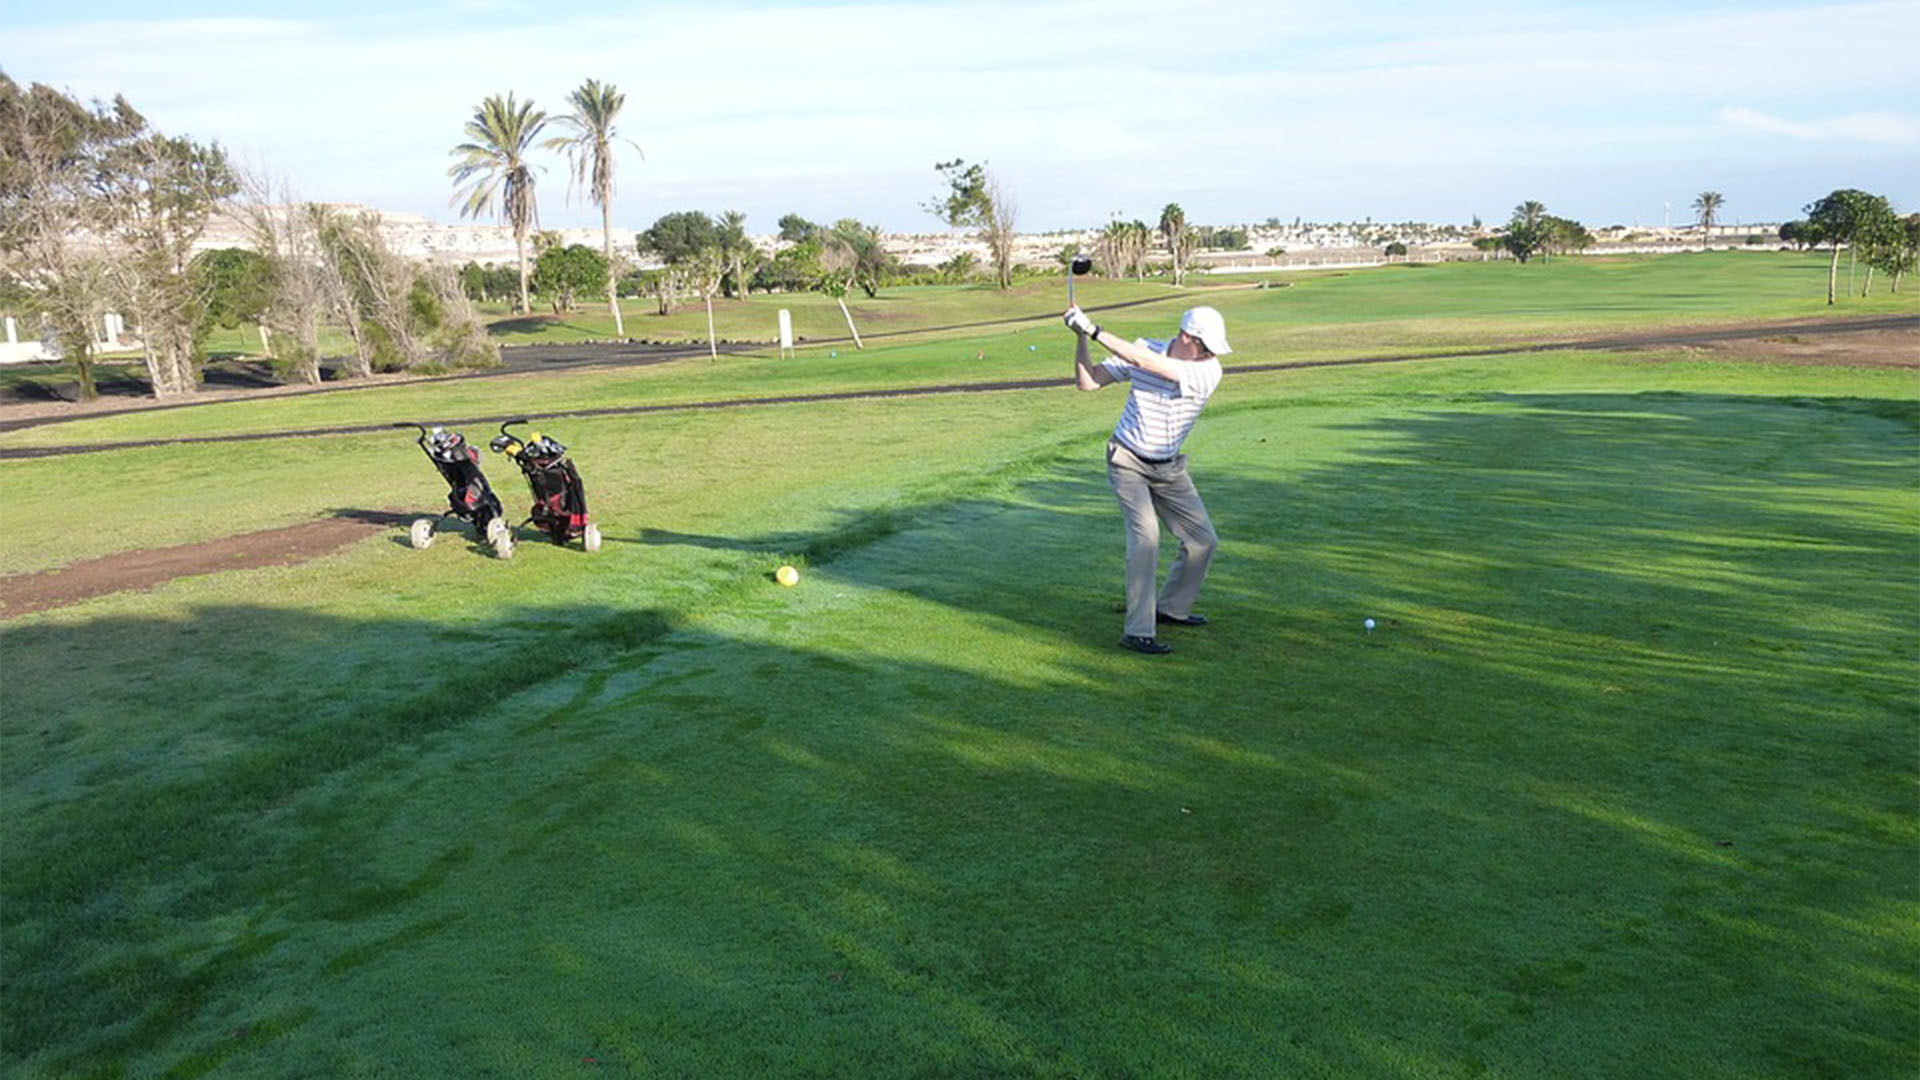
(1623, 784)
(979, 335)
(1565, 294)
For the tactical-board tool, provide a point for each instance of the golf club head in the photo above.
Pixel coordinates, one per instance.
(1081, 264)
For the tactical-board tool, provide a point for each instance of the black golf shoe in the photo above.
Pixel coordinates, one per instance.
(1147, 645)
(1165, 619)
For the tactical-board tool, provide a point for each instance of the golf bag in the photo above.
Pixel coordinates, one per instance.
(559, 498)
(469, 497)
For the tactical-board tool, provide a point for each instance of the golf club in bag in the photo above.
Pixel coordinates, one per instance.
(469, 497)
(559, 498)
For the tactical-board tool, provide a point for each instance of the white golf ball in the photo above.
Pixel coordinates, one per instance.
(1368, 624)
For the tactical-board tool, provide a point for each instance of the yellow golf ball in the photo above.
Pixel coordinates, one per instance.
(787, 576)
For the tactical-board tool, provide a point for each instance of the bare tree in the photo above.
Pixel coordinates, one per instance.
(455, 335)
(402, 314)
(976, 198)
(299, 295)
(338, 236)
(1001, 214)
(329, 229)
(378, 285)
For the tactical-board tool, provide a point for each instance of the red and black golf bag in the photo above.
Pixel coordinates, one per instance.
(469, 497)
(559, 498)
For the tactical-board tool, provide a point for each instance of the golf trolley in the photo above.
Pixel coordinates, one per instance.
(469, 497)
(559, 499)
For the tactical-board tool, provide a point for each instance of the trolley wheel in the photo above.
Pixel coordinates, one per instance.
(592, 538)
(420, 533)
(503, 544)
(497, 528)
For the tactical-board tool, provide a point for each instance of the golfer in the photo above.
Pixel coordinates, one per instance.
(1169, 383)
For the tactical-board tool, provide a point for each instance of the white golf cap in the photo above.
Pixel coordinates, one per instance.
(1207, 325)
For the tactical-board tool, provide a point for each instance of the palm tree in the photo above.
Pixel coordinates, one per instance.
(1527, 230)
(589, 149)
(1707, 205)
(495, 171)
(735, 246)
(1173, 223)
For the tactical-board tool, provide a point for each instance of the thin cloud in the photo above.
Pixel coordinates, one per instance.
(1874, 127)
(842, 109)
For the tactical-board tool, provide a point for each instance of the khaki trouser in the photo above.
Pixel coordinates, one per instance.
(1149, 491)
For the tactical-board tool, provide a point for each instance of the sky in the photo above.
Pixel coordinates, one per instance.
(1607, 111)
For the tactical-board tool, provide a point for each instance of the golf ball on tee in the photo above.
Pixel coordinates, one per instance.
(1368, 624)
(787, 576)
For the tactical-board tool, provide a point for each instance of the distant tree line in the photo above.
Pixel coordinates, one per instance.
(1867, 226)
(1532, 231)
(1864, 224)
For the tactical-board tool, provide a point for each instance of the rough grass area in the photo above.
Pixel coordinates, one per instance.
(1621, 785)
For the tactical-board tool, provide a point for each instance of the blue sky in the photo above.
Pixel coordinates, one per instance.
(1239, 110)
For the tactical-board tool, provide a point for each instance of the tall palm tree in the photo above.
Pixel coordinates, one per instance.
(493, 168)
(1707, 206)
(589, 148)
(736, 246)
(1173, 223)
(1529, 213)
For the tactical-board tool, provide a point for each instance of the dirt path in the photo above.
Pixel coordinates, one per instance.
(23, 593)
(1888, 342)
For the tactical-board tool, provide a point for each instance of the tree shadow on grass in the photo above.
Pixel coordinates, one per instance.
(1572, 817)
(667, 537)
(387, 518)
(524, 324)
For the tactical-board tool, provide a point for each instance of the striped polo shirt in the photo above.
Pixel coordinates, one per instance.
(1160, 412)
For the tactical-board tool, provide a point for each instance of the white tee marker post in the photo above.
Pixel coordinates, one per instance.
(786, 334)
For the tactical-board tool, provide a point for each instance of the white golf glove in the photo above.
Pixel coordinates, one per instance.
(1078, 322)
